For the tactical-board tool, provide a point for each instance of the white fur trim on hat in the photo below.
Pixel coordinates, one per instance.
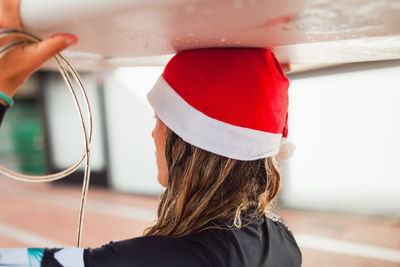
(286, 150)
(207, 133)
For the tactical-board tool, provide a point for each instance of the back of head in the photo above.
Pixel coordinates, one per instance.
(226, 113)
(206, 190)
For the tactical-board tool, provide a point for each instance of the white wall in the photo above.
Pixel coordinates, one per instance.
(346, 128)
(130, 121)
(65, 134)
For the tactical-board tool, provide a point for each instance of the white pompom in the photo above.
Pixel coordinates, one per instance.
(286, 150)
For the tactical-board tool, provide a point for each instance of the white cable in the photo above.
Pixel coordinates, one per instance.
(66, 70)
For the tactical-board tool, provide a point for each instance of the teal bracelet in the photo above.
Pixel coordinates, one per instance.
(7, 99)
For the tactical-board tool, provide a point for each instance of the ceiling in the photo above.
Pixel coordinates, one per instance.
(304, 33)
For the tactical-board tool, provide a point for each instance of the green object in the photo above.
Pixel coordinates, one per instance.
(29, 145)
(7, 99)
(26, 139)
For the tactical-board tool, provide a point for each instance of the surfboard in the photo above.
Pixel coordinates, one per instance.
(147, 32)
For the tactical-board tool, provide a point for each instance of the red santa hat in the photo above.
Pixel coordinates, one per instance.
(229, 101)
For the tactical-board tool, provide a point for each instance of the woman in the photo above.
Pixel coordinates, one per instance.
(221, 114)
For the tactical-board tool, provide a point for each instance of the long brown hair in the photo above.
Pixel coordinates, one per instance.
(206, 190)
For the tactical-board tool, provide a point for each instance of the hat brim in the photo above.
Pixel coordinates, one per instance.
(218, 137)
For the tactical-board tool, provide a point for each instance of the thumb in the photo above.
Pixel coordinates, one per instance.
(40, 52)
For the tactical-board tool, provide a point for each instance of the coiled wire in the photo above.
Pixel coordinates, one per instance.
(66, 71)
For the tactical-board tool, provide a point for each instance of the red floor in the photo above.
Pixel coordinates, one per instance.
(34, 215)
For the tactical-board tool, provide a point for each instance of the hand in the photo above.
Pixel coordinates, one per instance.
(19, 63)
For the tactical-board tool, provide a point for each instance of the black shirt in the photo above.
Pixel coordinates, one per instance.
(262, 243)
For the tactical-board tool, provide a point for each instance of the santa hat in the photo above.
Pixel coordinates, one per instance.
(229, 101)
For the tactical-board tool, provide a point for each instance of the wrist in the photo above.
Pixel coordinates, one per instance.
(8, 88)
(5, 99)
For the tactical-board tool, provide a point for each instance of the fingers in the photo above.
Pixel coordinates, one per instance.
(19, 63)
(39, 53)
(9, 14)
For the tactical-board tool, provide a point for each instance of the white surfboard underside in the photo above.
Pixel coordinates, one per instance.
(147, 32)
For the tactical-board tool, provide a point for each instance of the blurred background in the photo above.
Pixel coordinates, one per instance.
(340, 191)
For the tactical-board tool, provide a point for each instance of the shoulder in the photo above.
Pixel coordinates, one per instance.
(266, 242)
(284, 245)
(278, 227)
(149, 251)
